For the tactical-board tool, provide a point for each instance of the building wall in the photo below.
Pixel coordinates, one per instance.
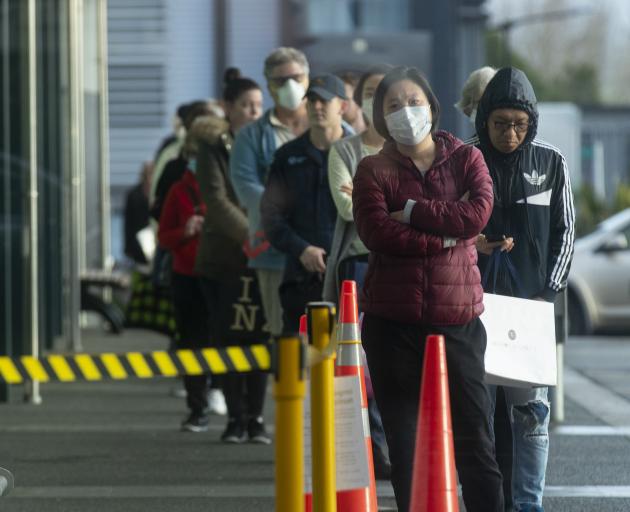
(606, 148)
(250, 38)
(560, 125)
(161, 54)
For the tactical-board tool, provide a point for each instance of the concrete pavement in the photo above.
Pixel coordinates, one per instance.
(116, 446)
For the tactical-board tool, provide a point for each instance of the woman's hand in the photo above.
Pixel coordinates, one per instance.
(346, 188)
(485, 247)
(193, 226)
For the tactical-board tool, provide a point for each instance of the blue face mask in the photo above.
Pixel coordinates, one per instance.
(192, 165)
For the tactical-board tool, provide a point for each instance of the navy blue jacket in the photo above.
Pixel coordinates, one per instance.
(297, 208)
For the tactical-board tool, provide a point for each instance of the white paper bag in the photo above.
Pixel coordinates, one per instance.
(521, 348)
(146, 239)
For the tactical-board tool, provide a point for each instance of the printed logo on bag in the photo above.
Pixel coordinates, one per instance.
(245, 312)
(512, 334)
(534, 178)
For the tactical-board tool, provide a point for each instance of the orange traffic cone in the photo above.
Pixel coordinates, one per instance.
(434, 486)
(349, 363)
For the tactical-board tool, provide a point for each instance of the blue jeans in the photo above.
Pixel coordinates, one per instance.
(528, 409)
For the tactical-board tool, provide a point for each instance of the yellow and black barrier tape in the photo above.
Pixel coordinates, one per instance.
(147, 365)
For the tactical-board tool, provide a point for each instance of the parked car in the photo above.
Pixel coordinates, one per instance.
(599, 281)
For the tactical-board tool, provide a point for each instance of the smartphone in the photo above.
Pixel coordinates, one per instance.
(495, 238)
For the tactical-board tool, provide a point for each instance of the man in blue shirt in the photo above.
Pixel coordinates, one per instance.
(286, 71)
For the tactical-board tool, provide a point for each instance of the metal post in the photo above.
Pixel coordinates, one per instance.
(106, 257)
(77, 169)
(289, 391)
(5, 223)
(32, 390)
(320, 324)
(556, 394)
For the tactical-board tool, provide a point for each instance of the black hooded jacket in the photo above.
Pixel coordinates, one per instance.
(533, 202)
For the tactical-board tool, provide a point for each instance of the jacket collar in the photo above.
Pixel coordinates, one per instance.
(445, 146)
(304, 141)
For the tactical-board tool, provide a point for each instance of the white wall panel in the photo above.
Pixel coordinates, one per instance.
(253, 31)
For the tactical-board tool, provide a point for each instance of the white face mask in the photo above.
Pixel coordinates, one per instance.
(409, 125)
(291, 94)
(192, 165)
(368, 107)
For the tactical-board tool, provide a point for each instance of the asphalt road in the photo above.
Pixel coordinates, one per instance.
(116, 446)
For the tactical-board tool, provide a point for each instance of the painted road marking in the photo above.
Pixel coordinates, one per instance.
(250, 490)
(596, 399)
(590, 430)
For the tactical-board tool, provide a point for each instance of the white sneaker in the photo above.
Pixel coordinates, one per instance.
(179, 391)
(6, 481)
(216, 402)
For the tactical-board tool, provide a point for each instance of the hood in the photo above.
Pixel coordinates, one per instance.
(510, 88)
(446, 145)
(208, 129)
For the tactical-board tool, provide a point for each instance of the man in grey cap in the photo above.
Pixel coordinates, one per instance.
(298, 211)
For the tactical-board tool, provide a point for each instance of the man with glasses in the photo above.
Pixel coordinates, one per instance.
(286, 71)
(533, 220)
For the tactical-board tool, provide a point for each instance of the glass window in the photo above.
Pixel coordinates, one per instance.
(342, 16)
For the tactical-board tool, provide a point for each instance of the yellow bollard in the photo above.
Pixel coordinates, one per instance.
(320, 324)
(289, 356)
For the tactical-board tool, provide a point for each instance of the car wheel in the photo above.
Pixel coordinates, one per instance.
(577, 320)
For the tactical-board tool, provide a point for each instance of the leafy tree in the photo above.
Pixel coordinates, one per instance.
(577, 82)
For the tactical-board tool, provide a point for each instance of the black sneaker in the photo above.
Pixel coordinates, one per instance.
(196, 422)
(234, 433)
(257, 432)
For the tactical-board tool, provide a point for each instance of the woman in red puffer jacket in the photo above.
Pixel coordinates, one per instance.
(419, 205)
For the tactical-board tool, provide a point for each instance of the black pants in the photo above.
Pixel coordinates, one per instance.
(395, 353)
(244, 394)
(192, 324)
(295, 294)
(503, 444)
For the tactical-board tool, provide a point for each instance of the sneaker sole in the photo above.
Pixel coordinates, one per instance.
(191, 428)
(259, 440)
(233, 440)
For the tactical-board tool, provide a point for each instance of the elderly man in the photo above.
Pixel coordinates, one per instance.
(286, 71)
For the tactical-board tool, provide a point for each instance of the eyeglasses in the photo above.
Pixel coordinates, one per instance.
(279, 81)
(520, 127)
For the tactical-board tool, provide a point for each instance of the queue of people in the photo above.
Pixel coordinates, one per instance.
(305, 195)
